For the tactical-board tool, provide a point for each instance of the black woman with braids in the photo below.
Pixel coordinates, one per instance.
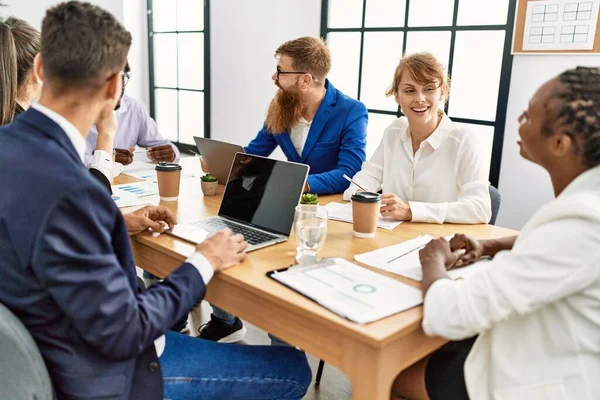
(526, 325)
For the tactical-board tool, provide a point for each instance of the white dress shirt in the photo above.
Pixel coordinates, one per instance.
(196, 259)
(444, 181)
(299, 133)
(536, 308)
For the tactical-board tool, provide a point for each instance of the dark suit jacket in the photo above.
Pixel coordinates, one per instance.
(103, 180)
(68, 271)
(336, 142)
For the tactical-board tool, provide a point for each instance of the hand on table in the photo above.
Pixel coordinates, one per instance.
(154, 217)
(223, 250)
(161, 153)
(392, 206)
(473, 249)
(124, 156)
(438, 251)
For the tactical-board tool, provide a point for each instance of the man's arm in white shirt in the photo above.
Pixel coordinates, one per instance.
(549, 262)
(102, 161)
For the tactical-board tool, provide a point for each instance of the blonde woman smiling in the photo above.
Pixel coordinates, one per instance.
(428, 167)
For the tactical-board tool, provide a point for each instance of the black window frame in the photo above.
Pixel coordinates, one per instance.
(183, 147)
(507, 58)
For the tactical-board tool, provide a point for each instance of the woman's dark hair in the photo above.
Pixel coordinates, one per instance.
(19, 44)
(579, 111)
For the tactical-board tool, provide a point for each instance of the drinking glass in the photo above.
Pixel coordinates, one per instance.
(310, 227)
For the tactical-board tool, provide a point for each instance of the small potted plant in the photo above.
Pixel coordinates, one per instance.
(309, 198)
(209, 185)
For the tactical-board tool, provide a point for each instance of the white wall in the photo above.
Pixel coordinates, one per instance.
(136, 21)
(525, 186)
(33, 11)
(132, 13)
(244, 37)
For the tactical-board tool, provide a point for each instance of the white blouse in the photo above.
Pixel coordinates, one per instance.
(536, 308)
(444, 181)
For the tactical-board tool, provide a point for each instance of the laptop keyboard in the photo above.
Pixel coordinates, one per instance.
(252, 236)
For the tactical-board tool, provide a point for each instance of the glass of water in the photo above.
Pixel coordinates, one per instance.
(310, 227)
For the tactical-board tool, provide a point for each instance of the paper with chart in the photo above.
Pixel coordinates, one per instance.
(141, 170)
(343, 212)
(125, 199)
(140, 189)
(353, 292)
(403, 259)
(560, 25)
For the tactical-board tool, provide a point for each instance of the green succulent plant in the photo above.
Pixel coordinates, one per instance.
(208, 178)
(309, 198)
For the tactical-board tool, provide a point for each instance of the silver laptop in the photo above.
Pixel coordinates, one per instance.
(259, 202)
(218, 156)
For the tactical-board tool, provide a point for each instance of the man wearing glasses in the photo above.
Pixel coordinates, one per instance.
(314, 124)
(135, 128)
(312, 121)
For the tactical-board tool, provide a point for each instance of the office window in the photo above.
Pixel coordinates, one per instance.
(472, 38)
(179, 69)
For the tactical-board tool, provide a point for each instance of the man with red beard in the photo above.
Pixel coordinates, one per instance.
(314, 124)
(312, 121)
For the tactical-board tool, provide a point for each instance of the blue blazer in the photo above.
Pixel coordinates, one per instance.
(68, 271)
(336, 142)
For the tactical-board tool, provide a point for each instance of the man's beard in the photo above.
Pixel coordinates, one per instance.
(284, 112)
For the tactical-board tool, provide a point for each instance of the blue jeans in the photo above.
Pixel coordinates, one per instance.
(200, 369)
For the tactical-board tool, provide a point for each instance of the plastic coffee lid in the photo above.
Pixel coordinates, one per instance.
(168, 167)
(366, 197)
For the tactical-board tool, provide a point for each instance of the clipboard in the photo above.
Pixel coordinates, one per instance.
(348, 290)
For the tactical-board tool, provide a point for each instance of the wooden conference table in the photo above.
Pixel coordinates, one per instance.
(370, 355)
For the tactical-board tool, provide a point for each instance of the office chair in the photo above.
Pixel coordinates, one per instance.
(496, 200)
(23, 373)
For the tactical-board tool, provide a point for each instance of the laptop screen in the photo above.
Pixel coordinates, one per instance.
(263, 192)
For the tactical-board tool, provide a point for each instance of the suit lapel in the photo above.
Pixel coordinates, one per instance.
(321, 117)
(50, 129)
(285, 141)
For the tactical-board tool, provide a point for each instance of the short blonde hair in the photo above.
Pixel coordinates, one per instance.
(424, 68)
(308, 54)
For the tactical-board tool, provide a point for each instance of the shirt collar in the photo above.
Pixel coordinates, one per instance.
(437, 137)
(72, 133)
(439, 134)
(585, 180)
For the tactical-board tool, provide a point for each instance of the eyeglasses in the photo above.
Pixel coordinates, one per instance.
(125, 78)
(280, 72)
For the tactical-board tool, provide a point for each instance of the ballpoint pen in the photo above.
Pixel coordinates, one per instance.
(360, 187)
(403, 254)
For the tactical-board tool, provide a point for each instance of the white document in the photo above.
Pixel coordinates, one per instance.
(146, 171)
(343, 212)
(140, 189)
(126, 199)
(351, 291)
(403, 259)
(560, 25)
(141, 155)
(141, 170)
